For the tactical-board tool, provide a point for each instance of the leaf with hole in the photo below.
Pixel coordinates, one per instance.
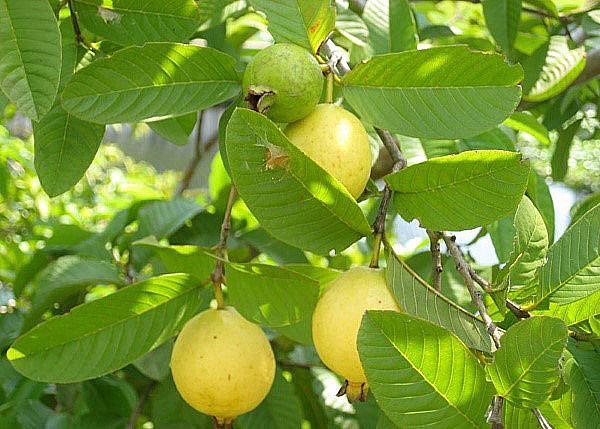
(463, 191)
(30, 55)
(104, 335)
(439, 93)
(528, 381)
(293, 198)
(413, 365)
(153, 81)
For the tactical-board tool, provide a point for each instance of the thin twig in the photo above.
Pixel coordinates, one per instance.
(76, 28)
(218, 274)
(494, 415)
(541, 419)
(462, 267)
(436, 259)
(191, 168)
(140, 404)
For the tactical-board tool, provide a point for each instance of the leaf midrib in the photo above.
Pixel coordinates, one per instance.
(137, 11)
(106, 327)
(467, 418)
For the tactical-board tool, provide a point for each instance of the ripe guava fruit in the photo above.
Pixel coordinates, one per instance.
(283, 82)
(222, 364)
(337, 318)
(336, 140)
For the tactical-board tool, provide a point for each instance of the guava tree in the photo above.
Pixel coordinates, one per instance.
(244, 304)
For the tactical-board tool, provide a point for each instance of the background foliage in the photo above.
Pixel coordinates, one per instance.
(83, 223)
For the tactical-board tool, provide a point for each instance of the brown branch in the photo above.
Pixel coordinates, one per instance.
(436, 259)
(218, 274)
(462, 267)
(494, 415)
(191, 168)
(76, 28)
(140, 404)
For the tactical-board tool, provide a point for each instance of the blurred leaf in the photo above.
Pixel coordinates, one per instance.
(407, 367)
(170, 411)
(527, 123)
(502, 18)
(561, 68)
(177, 130)
(31, 55)
(107, 92)
(438, 93)
(156, 363)
(131, 22)
(582, 376)
(417, 298)
(293, 198)
(65, 146)
(463, 191)
(113, 331)
(562, 150)
(489, 140)
(302, 22)
(439, 148)
(66, 277)
(545, 5)
(10, 328)
(280, 252)
(279, 410)
(538, 343)
(352, 27)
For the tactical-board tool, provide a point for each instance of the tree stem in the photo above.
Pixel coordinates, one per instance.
(436, 259)
(218, 274)
(329, 94)
(191, 168)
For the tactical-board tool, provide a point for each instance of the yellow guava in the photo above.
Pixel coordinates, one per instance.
(336, 140)
(222, 364)
(337, 318)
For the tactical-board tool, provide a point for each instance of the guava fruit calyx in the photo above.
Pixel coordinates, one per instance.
(260, 98)
(354, 391)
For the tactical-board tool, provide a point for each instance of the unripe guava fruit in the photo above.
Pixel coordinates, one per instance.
(222, 364)
(336, 140)
(284, 82)
(337, 318)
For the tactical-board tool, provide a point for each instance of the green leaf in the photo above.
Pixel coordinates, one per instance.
(417, 298)
(463, 191)
(582, 376)
(134, 22)
(65, 146)
(391, 25)
(293, 198)
(539, 194)
(177, 130)
(581, 207)
(352, 27)
(562, 151)
(529, 248)
(573, 268)
(546, 5)
(280, 252)
(561, 68)
(439, 93)
(527, 123)
(65, 277)
(155, 363)
(516, 417)
(163, 218)
(274, 296)
(30, 55)
(502, 18)
(577, 311)
(104, 335)
(152, 81)
(193, 260)
(279, 410)
(421, 374)
(489, 140)
(525, 370)
(302, 22)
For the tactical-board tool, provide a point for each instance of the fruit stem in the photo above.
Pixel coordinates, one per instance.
(376, 249)
(329, 93)
(218, 274)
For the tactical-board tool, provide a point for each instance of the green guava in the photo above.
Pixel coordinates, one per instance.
(283, 82)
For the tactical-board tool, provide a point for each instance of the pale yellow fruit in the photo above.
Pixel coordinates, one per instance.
(222, 364)
(336, 140)
(338, 315)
